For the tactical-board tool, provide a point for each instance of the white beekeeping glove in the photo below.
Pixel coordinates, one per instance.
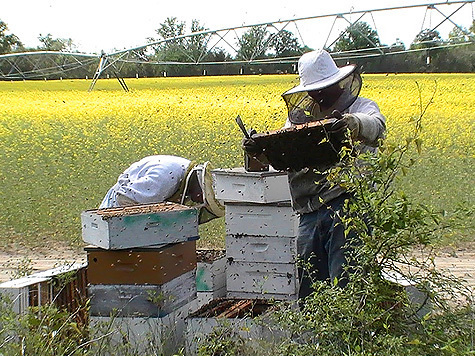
(353, 124)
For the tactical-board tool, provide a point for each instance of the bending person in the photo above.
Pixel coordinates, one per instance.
(160, 178)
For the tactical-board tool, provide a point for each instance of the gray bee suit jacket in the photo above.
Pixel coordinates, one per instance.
(309, 189)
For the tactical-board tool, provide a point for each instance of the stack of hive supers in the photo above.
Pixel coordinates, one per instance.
(141, 262)
(261, 254)
(261, 231)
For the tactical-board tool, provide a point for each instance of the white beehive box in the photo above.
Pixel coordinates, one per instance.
(36, 289)
(121, 228)
(210, 273)
(142, 300)
(262, 280)
(144, 335)
(255, 187)
(261, 220)
(273, 249)
(20, 292)
(58, 271)
(418, 298)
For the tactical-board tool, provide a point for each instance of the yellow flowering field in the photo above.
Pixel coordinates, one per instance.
(62, 147)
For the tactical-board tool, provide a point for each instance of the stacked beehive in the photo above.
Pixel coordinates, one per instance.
(141, 267)
(261, 230)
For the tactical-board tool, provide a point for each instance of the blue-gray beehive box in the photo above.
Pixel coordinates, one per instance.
(139, 226)
(148, 300)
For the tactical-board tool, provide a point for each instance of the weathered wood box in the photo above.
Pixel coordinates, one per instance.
(261, 219)
(262, 280)
(142, 335)
(142, 300)
(254, 187)
(48, 287)
(229, 316)
(140, 265)
(265, 249)
(25, 292)
(139, 226)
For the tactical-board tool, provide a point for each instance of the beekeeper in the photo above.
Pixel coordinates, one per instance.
(159, 178)
(325, 91)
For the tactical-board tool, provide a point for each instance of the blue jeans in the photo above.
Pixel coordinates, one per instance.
(321, 241)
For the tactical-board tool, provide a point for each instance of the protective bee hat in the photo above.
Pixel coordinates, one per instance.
(318, 71)
(211, 207)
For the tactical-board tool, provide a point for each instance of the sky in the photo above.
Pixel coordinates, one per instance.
(110, 25)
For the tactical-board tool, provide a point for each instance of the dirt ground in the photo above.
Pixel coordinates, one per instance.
(18, 259)
(457, 261)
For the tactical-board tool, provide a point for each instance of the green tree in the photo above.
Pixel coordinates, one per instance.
(460, 35)
(253, 43)
(196, 45)
(426, 39)
(8, 42)
(285, 44)
(359, 35)
(178, 47)
(170, 28)
(172, 50)
(48, 43)
(397, 46)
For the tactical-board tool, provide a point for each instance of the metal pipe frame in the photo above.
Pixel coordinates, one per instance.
(62, 62)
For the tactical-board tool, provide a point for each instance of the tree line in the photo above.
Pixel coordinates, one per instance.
(260, 51)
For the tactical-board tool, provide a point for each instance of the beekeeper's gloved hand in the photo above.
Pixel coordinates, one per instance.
(344, 122)
(353, 125)
(339, 124)
(250, 146)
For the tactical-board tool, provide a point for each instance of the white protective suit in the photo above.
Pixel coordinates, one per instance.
(153, 179)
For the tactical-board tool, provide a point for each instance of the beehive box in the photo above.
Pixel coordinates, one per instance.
(255, 187)
(142, 300)
(261, 219)
(418, 298)
(210, 270)
(139, 226)
(229, 315)
(210, 276)
(41, 288)
(274, 249)
(140, 265)
(262, 280)
(26, 292)
(144, 335)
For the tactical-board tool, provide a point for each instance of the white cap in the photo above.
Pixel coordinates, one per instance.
(317, 70)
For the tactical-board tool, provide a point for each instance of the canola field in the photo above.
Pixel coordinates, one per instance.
(61, 147)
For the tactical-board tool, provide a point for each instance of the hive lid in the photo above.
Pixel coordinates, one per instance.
(240, 171)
